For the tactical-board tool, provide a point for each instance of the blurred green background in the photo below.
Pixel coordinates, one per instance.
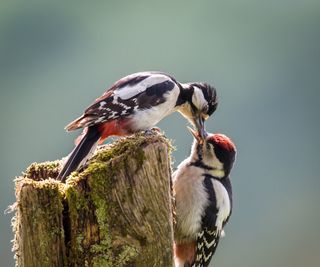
(56, 57)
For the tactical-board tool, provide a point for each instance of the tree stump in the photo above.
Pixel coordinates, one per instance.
(116, 211)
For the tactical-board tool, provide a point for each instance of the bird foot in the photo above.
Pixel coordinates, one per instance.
(152, 131)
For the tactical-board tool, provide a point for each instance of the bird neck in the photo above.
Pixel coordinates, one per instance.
(185, 95)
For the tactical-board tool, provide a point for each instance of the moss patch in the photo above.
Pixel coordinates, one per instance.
(88, 204)
(88, 192)
(36, 202)
(40, 171)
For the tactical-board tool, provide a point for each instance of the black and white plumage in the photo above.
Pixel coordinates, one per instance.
(135, 103)
(203, 198)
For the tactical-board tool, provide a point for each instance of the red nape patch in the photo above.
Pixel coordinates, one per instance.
(185, 253)
(222, 140)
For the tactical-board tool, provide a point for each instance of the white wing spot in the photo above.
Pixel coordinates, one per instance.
(99, 120)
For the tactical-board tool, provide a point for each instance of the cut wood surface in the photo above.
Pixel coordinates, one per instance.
(116, 211)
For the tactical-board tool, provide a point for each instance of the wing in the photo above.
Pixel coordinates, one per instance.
(208, 238)
(134, 92)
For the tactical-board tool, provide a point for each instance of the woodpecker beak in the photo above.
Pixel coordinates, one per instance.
(196, 135)
(199, 123)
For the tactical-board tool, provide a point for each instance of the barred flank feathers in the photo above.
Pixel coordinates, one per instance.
(207, 242)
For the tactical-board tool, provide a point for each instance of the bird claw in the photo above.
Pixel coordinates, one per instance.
(152, 131)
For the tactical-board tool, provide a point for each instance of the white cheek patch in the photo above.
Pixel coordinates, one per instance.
(211, 160)
(198, 99)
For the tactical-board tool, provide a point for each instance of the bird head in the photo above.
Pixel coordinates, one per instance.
(201, 102)
(216, 152)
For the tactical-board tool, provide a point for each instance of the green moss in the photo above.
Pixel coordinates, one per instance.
(102, 253)
(79, 240)
(101, 260)
(87, 193)
(128, 253)
(104, 257)
(129, 145)
(91, 186)
(102, 173)
(44, 170)
(76, 200)
(100, 184)
(39, 200)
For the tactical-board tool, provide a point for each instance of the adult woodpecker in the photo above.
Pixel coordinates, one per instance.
(203, 197)
(135, 103)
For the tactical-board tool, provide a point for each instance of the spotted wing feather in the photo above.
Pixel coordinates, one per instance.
(135, 92)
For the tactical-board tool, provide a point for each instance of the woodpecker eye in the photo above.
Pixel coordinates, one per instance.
(205, 109)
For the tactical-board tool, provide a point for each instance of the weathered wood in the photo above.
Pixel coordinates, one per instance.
(39, 235)
(117, 211)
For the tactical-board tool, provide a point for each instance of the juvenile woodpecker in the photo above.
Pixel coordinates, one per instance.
(203, 197)
(136, 103)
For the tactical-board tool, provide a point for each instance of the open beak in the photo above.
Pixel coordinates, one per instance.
(197, 136)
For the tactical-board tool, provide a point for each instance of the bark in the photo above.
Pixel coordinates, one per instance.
(117, 211)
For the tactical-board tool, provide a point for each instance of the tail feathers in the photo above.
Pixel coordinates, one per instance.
(80, 153)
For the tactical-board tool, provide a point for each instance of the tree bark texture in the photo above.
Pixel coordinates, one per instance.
(116, 211)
